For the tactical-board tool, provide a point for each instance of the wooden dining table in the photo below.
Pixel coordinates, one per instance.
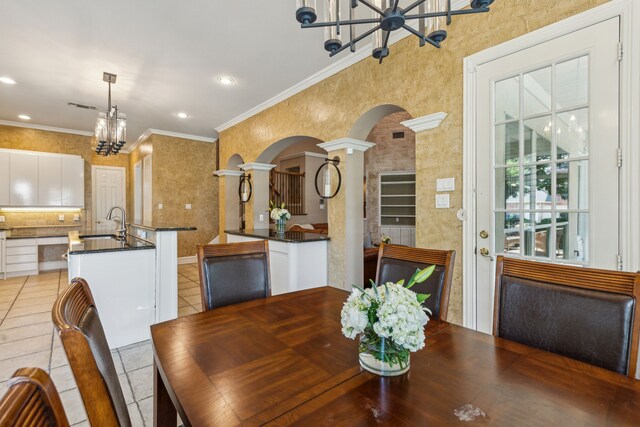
(284, 361)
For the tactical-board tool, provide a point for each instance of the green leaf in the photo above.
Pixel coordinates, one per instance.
(358, 288)
(412, 281)
(422, 297)
(422, 275)
(375, 291)
(373, 284)
(386, 292)
(401, 282)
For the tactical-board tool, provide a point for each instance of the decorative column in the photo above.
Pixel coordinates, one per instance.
(256, 207)
(345, 213)
(229, 218)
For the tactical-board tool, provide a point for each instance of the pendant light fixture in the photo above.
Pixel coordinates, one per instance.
(111, 127)
(387, 16)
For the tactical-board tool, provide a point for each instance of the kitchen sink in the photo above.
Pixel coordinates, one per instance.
(98, 237)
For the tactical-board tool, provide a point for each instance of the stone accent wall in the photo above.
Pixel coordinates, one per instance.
(388, 155)
(420, 80)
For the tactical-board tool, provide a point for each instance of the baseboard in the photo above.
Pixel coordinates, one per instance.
(187, 260)
(52, 265)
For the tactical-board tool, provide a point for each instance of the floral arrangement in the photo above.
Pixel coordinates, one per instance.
(278, 213)
(385, 239)
(390, 319)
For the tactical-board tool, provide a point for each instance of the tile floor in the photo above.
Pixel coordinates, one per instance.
(28, 339)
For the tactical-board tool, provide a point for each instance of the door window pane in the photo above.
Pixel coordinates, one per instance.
(507, 99)
(537, 139)
(572, 83)
(508, 233)
(571, 236)
(508, 143)
(537, 91)
(507, 187)
(537, 234)
(572, 134)
(537, 187)
(571, 185)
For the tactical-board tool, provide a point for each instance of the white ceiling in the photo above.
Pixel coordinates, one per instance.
(167, 56)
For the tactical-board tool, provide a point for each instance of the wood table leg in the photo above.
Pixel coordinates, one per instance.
(164, 413)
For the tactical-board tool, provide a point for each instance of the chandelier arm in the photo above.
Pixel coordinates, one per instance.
(395, 6)
(333, 23)
(413, 6)
(352, 28)
(373, 7)
(384, 45)
(357, 39)
(421, 36)
(445, 13)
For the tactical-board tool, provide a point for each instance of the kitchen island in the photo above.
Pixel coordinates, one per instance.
(134, 281)
(297, 260)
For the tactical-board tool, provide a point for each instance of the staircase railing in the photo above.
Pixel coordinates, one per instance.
(288, 187)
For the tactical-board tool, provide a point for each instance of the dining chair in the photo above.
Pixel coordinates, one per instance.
(397, 262)
(32, 400)
(233, 272)
(76, 318)
(583, 313)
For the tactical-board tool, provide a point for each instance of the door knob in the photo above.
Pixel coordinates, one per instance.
(484, 234)
(485, 253)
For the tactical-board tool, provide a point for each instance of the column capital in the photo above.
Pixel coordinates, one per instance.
(346, 143)
(256, 166)
(423, 123)
(227, 172)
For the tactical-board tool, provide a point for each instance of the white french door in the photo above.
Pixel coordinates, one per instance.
(547, 175)
(108, 191)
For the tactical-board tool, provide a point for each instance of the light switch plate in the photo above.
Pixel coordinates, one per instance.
(160, 206)
(442, 201)
(61, 217)
(2, 218)
(187, 206)
(261, 217)
(446, 184)
(76, 217)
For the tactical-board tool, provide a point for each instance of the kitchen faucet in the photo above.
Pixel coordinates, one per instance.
(122, 231)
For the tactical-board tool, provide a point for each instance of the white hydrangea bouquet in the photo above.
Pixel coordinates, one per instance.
(390, 321)
(278, 213)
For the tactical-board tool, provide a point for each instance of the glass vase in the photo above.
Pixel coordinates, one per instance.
(280, 225)
(381, 358)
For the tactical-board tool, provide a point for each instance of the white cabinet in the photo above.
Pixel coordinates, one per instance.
(49, 184)
(3, 242)
(22, 257)
(72, 181)
(23, 179)
(4, 179)
(32, 179)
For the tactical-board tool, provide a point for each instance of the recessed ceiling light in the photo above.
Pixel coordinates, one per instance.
(7, 80)
(182, 115)
(225, 80)
(24, 117)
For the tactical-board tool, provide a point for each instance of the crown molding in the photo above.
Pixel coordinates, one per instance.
(146, 134)
(45, 128)
(227, 172)
(423, 123)
(256, 166)
(346, 143)
(303, 154)
(363, 52)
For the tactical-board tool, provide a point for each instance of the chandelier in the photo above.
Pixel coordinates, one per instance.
(387, 16)
(111, 128)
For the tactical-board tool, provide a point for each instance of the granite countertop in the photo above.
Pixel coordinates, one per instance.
(160, 225)
(287, 236)
(97, 243)
(53, 231)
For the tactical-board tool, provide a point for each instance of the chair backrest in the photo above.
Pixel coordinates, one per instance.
(32, 400)
(587, 314)
(76, 318)
(400, 262)
(233, 272)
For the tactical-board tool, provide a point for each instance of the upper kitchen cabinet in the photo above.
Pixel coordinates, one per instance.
(72, 181)
(32, 179)
(4, 179)
(23, 179)
(49, 182)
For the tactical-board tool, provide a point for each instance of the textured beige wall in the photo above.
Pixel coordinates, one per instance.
(182, 174)
(420, 80)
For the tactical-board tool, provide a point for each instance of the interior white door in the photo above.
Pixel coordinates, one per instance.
(109, 191)
(546, 164)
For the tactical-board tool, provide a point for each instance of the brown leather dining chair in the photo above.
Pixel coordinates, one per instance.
(400, 262)
(32, 401)
(587, 314)
(233, 272)
(76, 318)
